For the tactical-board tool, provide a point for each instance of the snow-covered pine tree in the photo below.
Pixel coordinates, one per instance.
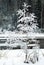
(27, 22)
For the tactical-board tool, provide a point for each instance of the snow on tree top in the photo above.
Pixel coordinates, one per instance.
(25, 5)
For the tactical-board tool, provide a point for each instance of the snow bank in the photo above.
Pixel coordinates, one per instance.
(17, 57)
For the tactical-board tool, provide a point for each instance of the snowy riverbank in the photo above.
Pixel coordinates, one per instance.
(17, 57)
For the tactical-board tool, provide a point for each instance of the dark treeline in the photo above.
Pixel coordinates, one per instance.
(8, 10)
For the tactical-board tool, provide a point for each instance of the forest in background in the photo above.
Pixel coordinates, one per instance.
(8, 8)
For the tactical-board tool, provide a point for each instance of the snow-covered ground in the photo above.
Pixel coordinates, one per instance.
(17, 57)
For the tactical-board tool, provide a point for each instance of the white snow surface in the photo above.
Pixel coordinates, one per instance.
(21, 35)
(17, 57)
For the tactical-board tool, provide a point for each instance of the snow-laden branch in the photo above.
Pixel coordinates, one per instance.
(26, 19)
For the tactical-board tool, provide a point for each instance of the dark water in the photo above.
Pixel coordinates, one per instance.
(41, 43)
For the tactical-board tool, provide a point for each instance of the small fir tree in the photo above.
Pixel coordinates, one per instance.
(27, 22)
